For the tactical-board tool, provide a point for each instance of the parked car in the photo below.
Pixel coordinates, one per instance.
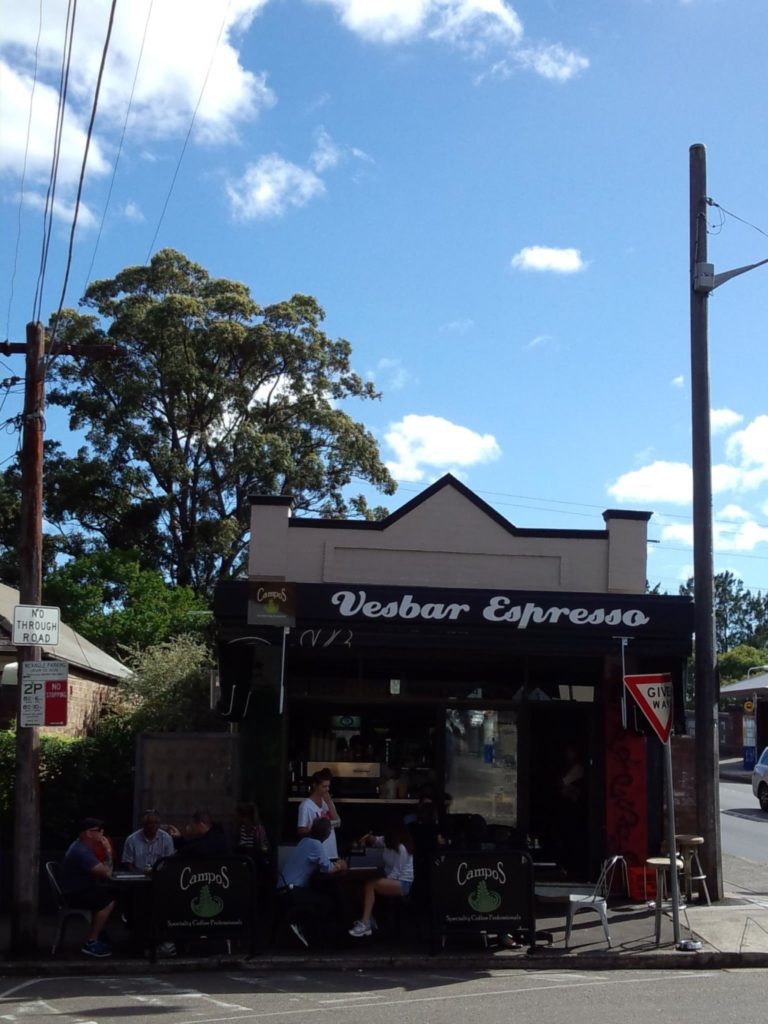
(760, 780)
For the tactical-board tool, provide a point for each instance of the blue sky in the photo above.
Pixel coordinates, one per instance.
(490, 200)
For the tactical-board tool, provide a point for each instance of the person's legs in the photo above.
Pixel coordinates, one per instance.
(380, 887)
(99, 919)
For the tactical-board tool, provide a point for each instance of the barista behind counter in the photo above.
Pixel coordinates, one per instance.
(319, 804)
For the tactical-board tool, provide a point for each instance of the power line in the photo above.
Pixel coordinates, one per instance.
(66, 60)
(24, 172)
(711, 202)
(189, 133)
(88, 137)
(120, 144)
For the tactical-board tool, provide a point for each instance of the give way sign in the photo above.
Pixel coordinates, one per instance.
(653, 694)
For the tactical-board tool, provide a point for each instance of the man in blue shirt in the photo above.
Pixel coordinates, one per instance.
(308, 859)
(83, 873)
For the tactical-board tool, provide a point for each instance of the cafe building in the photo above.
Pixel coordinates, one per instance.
(445, 651)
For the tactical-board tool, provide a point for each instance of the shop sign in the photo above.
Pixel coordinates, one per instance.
(654, 696)
(43, 696)
(473, 891)
(271, 603)
(203, 898)
(521, 611)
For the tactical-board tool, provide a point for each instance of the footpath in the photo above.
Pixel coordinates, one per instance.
(732, 933)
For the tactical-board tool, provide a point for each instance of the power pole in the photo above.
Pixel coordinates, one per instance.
(26, 823)
(703, 281)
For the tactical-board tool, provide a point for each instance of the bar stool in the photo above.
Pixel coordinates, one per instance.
(661, 866)
(687, 848)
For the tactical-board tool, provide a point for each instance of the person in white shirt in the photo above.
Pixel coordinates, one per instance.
(319, 805)
(398, 875)
(147, 845)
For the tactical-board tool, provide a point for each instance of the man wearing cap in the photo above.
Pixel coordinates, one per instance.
(87, 865)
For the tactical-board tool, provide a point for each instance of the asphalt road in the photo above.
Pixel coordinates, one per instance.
(631, 997)
(744, 827)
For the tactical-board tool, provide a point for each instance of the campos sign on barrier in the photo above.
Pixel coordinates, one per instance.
(203, 898)
(653, 694)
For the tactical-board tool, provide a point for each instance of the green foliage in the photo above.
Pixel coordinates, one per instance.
(169, 690)
(741, 617)
(736, 663)
(117, 605)
(209, 398)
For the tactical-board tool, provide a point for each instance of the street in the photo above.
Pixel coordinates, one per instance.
(490, 997)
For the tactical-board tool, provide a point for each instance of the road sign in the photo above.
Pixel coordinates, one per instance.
(749, 707)
(653, 694)
(43, 694)
(35, 626)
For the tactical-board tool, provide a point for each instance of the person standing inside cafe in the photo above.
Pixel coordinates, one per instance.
(147, 845)
(86, 867)
(319, 804)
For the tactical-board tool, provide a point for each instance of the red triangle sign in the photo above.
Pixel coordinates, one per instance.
(653, 694)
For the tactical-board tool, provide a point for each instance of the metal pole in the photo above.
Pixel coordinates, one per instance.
(26, 823)
(705, 660)
(674, 881)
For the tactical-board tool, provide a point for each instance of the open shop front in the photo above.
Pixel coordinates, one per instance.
(522, 728)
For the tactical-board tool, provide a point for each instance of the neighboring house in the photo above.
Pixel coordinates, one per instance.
(91, 672)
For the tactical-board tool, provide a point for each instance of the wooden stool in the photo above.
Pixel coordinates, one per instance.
(687, 849)
(661, 865)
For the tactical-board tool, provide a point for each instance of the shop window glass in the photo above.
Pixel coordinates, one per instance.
(481, 763)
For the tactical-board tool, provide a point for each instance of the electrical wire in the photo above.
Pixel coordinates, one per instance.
(50, 197)
(711, 202)
(24, 172)
(189, 133)
(120, 145)
(88, 137)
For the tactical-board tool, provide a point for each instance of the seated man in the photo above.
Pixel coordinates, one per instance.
(83, 873)
(147, 845)
(204, 839)
(308, 859)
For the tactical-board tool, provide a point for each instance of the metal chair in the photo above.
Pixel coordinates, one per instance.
(65, 913)
(597, 899)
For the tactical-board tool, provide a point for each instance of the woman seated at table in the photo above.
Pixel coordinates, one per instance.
(398, 875)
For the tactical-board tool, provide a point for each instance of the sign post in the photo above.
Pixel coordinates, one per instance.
(654, 696)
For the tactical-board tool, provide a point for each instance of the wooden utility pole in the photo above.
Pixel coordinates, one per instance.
(26, 823)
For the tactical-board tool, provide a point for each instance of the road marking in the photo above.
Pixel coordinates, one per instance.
(410, 999)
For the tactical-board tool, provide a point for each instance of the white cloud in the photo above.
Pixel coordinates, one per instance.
(735, 512)
(132, 211)
(554, 62)
(723, 419)
(394, 375)
(328, 154)
(660, 481)
(678, 382)
(538, 341)
(544, 258)
(423, 443)
(63, 210)
(271, 186)
(477, 27)
(750, 445)
(186, 40)
(457, 326)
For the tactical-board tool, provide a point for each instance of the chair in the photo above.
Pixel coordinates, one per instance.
(65, 913)
(597, 899)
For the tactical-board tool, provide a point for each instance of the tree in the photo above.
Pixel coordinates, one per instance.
(209, 399)
(117, 605)
(736, 663)
(740, 616)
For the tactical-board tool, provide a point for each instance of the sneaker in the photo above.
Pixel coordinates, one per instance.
(298, 931)
(360, 928)
(166, 949)
(95, 948)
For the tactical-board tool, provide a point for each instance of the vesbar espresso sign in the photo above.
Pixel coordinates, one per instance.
(523, 611)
